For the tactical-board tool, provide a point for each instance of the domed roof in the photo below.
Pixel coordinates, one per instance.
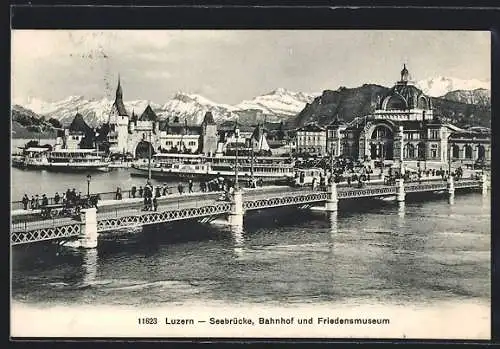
(404, 95)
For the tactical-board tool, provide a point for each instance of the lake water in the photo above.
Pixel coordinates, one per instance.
(426, 254)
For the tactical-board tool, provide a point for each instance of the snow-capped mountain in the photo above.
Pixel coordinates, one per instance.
(478, 96)
(274, 106)
(193, 108)
(439, 86)
(279, 102)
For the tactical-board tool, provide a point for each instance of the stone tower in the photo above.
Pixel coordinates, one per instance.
(208, 134)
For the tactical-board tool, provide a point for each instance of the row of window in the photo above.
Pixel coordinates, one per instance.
(311, 149)
(190, 143)
(303, 139)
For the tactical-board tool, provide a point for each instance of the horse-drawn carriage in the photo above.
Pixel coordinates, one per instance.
(70, 208)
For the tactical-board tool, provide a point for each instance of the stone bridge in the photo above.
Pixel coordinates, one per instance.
(205, 207)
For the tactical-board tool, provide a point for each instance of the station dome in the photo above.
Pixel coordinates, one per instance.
(404, 95)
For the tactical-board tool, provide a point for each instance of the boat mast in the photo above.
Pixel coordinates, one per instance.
(251, 163)
(237, 134)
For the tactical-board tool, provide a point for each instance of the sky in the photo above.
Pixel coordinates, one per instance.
(228, 66)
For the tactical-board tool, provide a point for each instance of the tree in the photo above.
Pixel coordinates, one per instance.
(55, 123)
(30, 144)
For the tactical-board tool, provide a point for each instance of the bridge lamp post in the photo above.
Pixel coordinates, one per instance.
(89, 177)
(237, 134)
(450, 153)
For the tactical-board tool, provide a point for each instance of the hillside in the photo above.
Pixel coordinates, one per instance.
(27, 124)
(347, 103)
(479, 96)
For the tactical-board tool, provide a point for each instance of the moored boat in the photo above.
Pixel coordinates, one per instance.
(62, 160)
(200, 167)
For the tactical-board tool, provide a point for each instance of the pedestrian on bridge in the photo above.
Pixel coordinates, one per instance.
(133, 191)
(190, 185)
(57, 198)
(180, 188)
(45, 200)
(155, 203)
(25, 201)
(37, 202)
(165, 190)
(33, 203)
(118, 194)
(140, 191)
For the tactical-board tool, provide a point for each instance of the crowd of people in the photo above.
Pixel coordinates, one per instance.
(68, 198)
(150, 194)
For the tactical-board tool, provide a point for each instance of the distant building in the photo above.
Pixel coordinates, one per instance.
(77, 135)
(244, 137)
(311, 139)
(404, 114)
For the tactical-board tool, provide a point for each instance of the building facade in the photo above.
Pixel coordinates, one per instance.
(144, 134)
(403, 126)
(311, 139)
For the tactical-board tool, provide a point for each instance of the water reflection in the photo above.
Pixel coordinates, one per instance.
(451, 199)
(89, 265)
(333, 220)
(401, 209)
(238, 240)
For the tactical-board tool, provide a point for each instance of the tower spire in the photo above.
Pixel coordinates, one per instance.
(404, 74)
(119, 92)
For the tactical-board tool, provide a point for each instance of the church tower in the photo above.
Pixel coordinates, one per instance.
(118, 122)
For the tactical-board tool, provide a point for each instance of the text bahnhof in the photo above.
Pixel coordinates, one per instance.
(283, 321)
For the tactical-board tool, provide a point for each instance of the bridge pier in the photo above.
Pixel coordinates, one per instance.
(88, 237)
(484, 183)
(89, 266)
(331, 204)
(401, 209)
(401, 190)
(451, 189)
(236, 213)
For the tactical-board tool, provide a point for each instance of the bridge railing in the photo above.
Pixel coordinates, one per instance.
(25, 226)
(164, 204)
(106, 195)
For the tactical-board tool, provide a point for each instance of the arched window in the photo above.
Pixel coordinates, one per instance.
(373, 151)
(455, 151)
(396, 103)
(468, 152)
(421, 150)
(409, 151)
(422, 103)
(481, 152)
(381, 132)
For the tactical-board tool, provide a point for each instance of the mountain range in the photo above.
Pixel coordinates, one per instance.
(457, 99)
(455, 107)
(273, 106)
